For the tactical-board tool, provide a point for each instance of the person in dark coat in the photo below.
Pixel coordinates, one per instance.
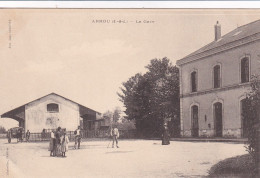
(9, 135)
(77, 138)
(165, 135)
(58, 142)
(20, 135)
(28, 135)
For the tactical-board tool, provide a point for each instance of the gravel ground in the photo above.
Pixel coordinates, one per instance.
(134, 158)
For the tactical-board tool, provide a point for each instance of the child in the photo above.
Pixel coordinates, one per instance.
(64, 144)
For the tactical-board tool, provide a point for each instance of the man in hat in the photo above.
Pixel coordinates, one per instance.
(115, 135)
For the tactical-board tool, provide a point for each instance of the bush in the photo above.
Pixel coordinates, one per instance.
(239, 166)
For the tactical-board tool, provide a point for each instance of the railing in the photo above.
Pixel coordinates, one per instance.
(3, 135)
(125, 134)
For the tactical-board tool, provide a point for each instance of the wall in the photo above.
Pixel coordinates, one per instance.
(231, 118)
(38, 118)
(230, 67)
(230, 93)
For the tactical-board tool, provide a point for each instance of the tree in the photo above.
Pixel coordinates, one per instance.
(2, 129)
(151, 98)
(108, 116)
(252, 114)
(126, 124)
(116, 114)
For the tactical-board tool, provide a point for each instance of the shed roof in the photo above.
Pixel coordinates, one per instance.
(13, 113)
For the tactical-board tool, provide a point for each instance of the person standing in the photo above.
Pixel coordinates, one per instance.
(20, 135)
(165, 135)
(28, 135)
(64, 144)
(58, 141)
(52, 146)
(9, 135)
(115, 135)
(43, 134)
(77, 138)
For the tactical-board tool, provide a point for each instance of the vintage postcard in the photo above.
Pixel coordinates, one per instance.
(129, 93)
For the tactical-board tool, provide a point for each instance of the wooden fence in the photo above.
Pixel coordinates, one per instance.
(3, 135)
(85, 134)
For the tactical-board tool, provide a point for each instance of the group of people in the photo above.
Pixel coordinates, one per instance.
(59, 140)
(59, 143)
(18, 134)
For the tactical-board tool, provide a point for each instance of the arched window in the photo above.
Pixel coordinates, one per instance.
(194, 81)
(245, 70)
(52, 107)
(216, 78)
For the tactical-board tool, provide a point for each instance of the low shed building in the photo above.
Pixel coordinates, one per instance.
(52, 111)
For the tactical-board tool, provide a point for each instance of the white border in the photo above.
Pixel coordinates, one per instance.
(130, 4)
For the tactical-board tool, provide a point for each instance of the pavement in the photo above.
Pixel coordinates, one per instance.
(215, 139)
(134, 158)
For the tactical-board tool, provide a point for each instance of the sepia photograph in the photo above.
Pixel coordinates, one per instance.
(134, 93)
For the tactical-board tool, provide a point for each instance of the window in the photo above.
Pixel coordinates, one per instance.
(194, 81)
(245, 70)
(216, 74)
(52, 107)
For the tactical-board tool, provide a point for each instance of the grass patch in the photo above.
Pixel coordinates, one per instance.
(239, 166)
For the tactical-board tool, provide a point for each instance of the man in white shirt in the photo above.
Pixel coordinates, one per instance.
(77, 138)
(115, 135)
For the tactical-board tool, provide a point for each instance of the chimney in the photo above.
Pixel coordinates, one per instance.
(217, 31)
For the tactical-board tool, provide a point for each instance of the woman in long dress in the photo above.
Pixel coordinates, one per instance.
(64, 144)
(165, 135)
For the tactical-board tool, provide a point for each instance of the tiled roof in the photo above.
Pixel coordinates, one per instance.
(235, 35)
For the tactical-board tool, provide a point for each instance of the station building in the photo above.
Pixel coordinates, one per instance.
(215, 80)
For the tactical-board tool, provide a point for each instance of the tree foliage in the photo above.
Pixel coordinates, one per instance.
(151, 98)
(126, 124)
(253, 116)
(2, 129)
(116, 114)
(115, 118)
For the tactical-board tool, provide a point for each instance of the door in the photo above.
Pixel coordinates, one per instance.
(195, 121)
(218, 119)
(244, 121)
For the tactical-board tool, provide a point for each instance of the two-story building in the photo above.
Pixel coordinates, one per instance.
(214, 81)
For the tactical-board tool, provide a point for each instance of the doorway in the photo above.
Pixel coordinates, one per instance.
(244, 121)
(218, 119)
(195, 121)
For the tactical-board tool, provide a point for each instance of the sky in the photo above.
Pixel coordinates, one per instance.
(72, 53)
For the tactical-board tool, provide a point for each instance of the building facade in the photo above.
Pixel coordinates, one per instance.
(214, 82)
(50, 112)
